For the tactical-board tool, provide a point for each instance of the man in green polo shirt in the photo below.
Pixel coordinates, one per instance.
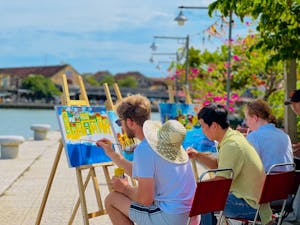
(234, 152)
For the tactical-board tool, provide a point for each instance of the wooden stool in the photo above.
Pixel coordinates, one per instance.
(10, 146)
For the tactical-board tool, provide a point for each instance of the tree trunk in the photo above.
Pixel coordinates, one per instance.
(290, 80)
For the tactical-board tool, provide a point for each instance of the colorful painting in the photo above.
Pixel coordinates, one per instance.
(81, 127)
(125, 145)
(184, 113)
(187, 115)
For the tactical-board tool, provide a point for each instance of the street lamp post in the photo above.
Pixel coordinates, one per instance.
(181, 19)
(187, 42)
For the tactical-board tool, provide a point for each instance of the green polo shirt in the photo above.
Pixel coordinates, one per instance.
(235, 152)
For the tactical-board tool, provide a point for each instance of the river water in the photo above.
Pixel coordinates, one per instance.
(18, 121)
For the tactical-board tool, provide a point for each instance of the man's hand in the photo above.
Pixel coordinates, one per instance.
(192, 153)
(106, 145)
(119, 184)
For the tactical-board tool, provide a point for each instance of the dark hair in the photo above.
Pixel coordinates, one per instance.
(261, 109)
(214, 113)
(134, 107)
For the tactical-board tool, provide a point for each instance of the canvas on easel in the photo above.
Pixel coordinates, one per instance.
(125, 145)
(81, 127)
(84, 129)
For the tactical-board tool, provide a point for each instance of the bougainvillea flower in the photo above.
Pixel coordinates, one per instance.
(236, 58)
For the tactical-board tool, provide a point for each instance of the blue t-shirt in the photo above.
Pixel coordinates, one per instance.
(174, 183)
(272, 144)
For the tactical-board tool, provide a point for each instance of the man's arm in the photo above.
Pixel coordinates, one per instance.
(205, 158)
(142, 194)
(115, 156)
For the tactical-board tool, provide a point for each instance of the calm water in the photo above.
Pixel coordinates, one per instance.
(18, 121)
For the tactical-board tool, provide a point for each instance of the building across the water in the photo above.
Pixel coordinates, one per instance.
(11, 79)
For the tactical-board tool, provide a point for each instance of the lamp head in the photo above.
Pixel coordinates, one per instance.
(153, 46)
(180, 19)
(151, 59)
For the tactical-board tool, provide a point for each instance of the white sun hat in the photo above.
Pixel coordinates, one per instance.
(166, 140)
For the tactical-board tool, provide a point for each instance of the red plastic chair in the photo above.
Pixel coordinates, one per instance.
(211, 195)
(278, 185)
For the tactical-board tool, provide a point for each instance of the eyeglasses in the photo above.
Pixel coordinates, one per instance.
(118, 122)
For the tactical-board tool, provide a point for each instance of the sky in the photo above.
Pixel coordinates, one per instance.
(95, 35)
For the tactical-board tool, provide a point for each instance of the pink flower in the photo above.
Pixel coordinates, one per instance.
(231, 109)
(234, 96)
(217, 99)
(194, 71)
(236, 58)
(209, 69)
(206, 103)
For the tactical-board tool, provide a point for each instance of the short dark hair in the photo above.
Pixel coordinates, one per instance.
(214, 113)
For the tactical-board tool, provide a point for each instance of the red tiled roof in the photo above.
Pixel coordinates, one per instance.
(46, 71)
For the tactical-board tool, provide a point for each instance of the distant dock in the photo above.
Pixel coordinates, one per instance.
(23, 105)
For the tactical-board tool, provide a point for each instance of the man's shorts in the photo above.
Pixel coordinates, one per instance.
(153, 215)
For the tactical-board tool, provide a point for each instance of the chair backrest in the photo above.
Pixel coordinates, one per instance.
(297, 182)
(279, 184)
(211, 195)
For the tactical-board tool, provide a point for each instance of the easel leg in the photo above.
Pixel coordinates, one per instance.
(49, 184)
(107, 176)
(87, 179)
(194, 165)
(97, 190)
(82, 197)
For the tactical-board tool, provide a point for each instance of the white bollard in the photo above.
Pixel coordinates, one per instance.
(10, 146)
(40, 131)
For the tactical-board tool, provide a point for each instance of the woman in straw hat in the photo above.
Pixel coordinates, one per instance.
(166, 183)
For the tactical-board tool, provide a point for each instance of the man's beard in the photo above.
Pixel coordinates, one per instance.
(129, 132)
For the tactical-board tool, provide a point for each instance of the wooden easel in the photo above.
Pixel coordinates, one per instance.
(187, 101)
(110, 106)
(83, 101)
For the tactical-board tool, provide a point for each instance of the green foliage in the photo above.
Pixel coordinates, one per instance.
(128, 82)
(90, 79)
(278, 24)
(109, 79)
(249, 71)
(41, 86)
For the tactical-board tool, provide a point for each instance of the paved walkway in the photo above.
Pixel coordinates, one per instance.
(23, 181)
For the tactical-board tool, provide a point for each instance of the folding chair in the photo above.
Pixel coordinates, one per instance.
(278, 185)
(211, 194)
(276, 206)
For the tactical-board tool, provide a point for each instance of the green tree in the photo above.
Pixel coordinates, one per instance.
(129, 81)
(90, 79)
(279, 28)
(41, 86)
(109, 79)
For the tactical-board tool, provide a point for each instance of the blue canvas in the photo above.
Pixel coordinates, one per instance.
(124, 144)
(81, 127)
(187, 115)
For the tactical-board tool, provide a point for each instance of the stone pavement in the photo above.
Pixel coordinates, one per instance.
(24, 179)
